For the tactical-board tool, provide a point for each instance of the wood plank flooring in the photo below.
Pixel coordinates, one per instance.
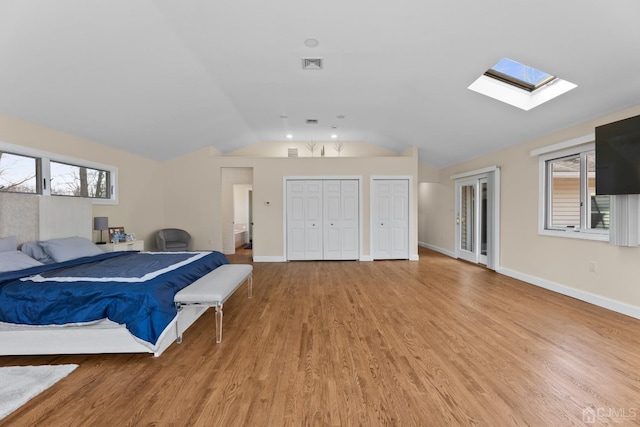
(388, 343)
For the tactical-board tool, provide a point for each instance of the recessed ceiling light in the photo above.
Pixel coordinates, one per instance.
(289, 136)
(311, 42)
(334, 136)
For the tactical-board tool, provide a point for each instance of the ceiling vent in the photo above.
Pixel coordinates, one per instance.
(312, 63)
(311, 121)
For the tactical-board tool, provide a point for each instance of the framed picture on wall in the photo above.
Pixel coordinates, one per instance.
(117, 234)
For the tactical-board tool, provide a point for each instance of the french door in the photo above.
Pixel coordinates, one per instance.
(472, 234)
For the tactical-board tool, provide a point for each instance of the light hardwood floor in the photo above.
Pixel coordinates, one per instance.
(388, 343)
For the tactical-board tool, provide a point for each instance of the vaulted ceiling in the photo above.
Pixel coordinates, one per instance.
(165, 77)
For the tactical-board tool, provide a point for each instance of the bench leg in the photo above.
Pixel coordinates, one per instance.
(218, 323)
(178, 334)
(250, 285)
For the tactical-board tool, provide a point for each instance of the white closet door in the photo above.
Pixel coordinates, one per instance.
(390, 219)
(350, 202)
(341, 219)
(333, 220)
(304, 220)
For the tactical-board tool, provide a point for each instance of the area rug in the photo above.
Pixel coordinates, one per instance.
(18, 384)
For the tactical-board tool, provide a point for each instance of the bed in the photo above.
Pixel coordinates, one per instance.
(125, 300)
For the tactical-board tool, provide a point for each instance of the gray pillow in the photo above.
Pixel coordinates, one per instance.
(8, 244)
(35, 251)
(70, 248)
(16, 260)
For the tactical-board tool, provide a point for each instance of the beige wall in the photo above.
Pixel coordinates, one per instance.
(200, 172)
(186, 193)
(140, 209)
(555, 260)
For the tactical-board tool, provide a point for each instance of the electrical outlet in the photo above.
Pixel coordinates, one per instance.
(593, 267)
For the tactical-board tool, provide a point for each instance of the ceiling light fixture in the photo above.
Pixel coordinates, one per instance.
(289, 136)
(311, 42)
(334, 136)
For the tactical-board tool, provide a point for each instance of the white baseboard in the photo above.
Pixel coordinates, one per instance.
(438, 249)
(600, 301)
(269, 259)
(414, 258)
(594, 299)
(366, 258)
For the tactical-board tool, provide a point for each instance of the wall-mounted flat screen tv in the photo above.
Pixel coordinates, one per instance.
(618, 157)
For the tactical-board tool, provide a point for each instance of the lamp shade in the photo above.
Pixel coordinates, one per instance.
(100, 223)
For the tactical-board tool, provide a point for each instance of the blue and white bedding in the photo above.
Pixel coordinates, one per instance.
(135, 289)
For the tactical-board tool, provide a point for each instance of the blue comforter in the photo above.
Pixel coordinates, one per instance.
(130, 288)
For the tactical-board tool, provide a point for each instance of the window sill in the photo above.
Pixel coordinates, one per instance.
(601, 237)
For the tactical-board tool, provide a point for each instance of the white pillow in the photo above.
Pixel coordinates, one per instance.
(70, 248)
(8, 244)
(16, 260)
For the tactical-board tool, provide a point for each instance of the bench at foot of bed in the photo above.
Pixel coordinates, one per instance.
(214, 289)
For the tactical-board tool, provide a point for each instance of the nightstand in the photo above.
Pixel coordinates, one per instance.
(136, 245)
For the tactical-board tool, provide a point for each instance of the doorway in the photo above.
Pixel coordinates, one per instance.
(236, 215)
(477, 218)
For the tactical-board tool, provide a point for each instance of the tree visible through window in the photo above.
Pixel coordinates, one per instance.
(18, 174)
(78, 181)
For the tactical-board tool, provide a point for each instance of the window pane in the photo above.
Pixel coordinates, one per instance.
(18, 174)
(599, 206)
(78, 181)
(565, 192)
(467, 215)
(518, 74)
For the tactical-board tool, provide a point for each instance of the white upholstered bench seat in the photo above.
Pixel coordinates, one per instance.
(214, 289)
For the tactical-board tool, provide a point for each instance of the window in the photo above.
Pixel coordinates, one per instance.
(519, 85)
(78, 181)
(24, 170)
(569, 205)
(19, 174)
(519, 75)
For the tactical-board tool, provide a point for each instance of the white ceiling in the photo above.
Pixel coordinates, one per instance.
(165, 77)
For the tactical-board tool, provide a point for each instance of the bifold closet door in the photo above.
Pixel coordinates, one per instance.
(304, 220)
(341, 219)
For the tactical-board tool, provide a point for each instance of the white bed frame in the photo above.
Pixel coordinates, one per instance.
(102, 337)
(42, 218)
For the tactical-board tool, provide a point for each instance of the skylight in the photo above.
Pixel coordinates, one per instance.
(520, 85)
(519, 75)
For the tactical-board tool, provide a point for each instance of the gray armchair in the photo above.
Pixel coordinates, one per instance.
(172, 239)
